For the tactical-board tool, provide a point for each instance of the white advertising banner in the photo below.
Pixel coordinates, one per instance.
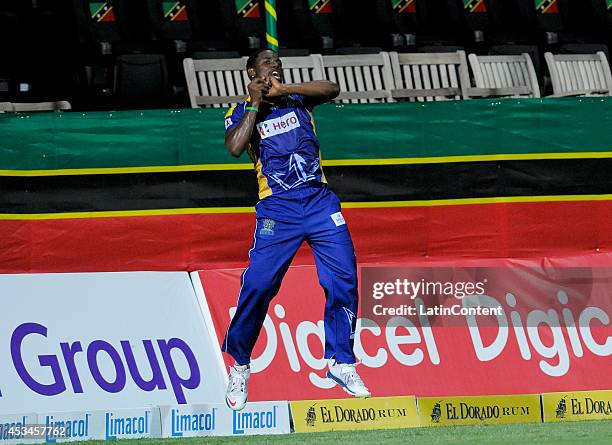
(95, 341)
(126, 424)
(219, 420)
(14, 428)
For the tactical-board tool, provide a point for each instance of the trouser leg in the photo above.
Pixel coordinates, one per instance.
(337, 270)
(273, 249)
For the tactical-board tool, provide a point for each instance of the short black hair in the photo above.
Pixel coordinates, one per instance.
(253, 57)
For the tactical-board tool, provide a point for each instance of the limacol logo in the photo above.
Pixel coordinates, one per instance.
(126, 426)
(75, 426)
(191, 423)
(13, 430)
(258, 420)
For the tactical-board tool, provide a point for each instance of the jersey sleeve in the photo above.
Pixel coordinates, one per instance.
(233, 116)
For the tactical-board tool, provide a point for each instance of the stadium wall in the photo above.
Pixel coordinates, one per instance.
(513, 184)
(124, 355)
(156, 190)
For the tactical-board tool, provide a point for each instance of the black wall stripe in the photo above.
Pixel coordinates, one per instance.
(237, 188)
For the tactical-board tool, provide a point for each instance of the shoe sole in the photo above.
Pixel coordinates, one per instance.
(341, 384)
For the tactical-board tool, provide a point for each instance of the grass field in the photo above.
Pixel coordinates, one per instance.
(586, 433)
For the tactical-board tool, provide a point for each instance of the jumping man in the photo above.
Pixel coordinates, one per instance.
(276, 129)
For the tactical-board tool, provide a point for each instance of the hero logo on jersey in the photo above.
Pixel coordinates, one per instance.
(278, 125)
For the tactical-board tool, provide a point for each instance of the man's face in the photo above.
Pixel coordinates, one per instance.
(269, 65)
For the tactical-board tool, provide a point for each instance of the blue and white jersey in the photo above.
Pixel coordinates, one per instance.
(284, 146)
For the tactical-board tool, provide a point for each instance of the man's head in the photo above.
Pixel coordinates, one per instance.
(264, 63)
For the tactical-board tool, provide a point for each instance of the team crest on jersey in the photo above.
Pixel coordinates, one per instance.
(228, 122)
(278, 125)
(267, 227)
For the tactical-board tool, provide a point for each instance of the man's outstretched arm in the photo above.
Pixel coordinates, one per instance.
(317, 91)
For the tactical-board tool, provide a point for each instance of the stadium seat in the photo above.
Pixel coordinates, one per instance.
(223, 82)
(503, 76)
(516, 50)
(18, 107)
(141, 80)
(579, 74)
(216, 82)
(362, 78)
(429, 77)
(303, 69)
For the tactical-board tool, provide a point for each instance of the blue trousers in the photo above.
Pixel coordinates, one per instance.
(312, 214)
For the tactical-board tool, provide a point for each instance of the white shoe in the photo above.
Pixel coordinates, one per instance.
(238, 387)
(345, 375)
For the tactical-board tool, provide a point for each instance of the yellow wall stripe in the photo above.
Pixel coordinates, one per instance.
(124, 213)
(328, 162)
(471, 201)
(470, 158)
(345, 205)
(126, 170)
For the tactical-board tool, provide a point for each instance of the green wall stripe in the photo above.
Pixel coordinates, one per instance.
(72, 140)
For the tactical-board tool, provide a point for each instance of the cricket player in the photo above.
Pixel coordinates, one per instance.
(275, 127)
